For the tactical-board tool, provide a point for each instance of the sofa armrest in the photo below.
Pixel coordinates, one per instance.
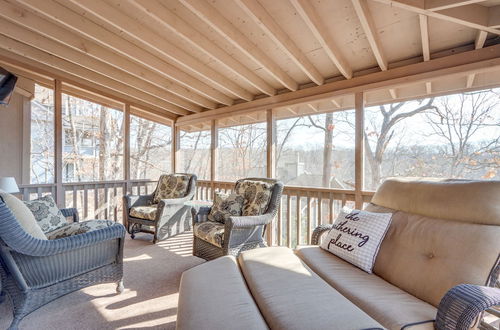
(71, 212)
(318, 233)
(463, 304)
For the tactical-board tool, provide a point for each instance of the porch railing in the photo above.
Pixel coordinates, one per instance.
(301, 208)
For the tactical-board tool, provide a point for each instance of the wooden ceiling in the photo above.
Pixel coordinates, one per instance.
(179, 58)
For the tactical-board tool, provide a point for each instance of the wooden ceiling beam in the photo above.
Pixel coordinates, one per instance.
(336, 103)
(37, 68)
(436, 5)
(426, 51)
(144, 37)
(478, 44)
(494, 17)
(268, 24)
(175, 24)
(84, 27)
(481, 60)
(73, 41)
(323, 35)
(473, 16)
(219, 23)
(71, 68)
(312, 107)
(364, 15)
(49, 46)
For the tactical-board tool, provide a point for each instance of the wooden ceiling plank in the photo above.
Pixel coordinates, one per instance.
(322, 35)
(368, 26)
(436, 5)
(50, 30)
(146, 38)
(175, 24)
(494, 17)
(49, 46)
(88, 29)
(219, 23)
(268, 24)
(473, 16)
(481, 60)
(68, 67)
(24, 63)
(478, 44)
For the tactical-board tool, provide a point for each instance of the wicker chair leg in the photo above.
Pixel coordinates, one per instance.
(120, 287)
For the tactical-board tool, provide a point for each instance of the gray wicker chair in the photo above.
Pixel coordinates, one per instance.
(172, 216)
(240, 233)
(35, 272)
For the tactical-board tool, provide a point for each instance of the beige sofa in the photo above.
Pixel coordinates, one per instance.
(443, 233)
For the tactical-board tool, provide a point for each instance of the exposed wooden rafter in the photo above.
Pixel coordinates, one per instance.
(473, 16)
(321, 33)
(175, 24)
(266, 22)
(218, 22)
(436, 5)
(478, 44)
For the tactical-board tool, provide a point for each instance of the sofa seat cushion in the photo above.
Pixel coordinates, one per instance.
(144, 212)
(210, 231)
(23, 215)
(291, 296)
(77, 228)
(389, 305)
(214, 295)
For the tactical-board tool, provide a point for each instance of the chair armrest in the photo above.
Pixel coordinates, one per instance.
(71, 212)
(318, 232)
(250, 221)
(137, 200)
(463, 304)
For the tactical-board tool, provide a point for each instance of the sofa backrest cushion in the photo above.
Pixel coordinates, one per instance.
(256, 196)
(427, 255)
(457, 200)
(23, 215)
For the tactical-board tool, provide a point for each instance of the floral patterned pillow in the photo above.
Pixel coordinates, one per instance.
(225, 206)
(171, 186)
(46, 213)
(256, 195)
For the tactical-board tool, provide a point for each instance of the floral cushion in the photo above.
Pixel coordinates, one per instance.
(225, 206)
(256, 194)
(144, 212)
(171, 186)
(210, 231)
(47, 214)
(77, 228)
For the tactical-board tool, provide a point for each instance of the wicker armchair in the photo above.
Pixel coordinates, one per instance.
(167, 218)
(35, 272)
(239, 233)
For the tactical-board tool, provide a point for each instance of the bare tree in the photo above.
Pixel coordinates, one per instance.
(458, 120)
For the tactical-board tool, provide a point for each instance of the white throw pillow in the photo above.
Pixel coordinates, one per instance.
(47, 214)
(356, 237)
(23, 215)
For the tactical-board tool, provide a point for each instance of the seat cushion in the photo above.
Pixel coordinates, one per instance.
(47, 214)
(256, 194)
(214, 296)
(144, 212)
(77, 228)
(210, 231)
(171, 186)
(389, 305)
(23, 215)
(291, 296)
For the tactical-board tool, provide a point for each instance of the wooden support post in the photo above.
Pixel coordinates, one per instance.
(126, 147)
(176, 139)
(271, 143)
(359, 146)
(214, 146)
(58, 145)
